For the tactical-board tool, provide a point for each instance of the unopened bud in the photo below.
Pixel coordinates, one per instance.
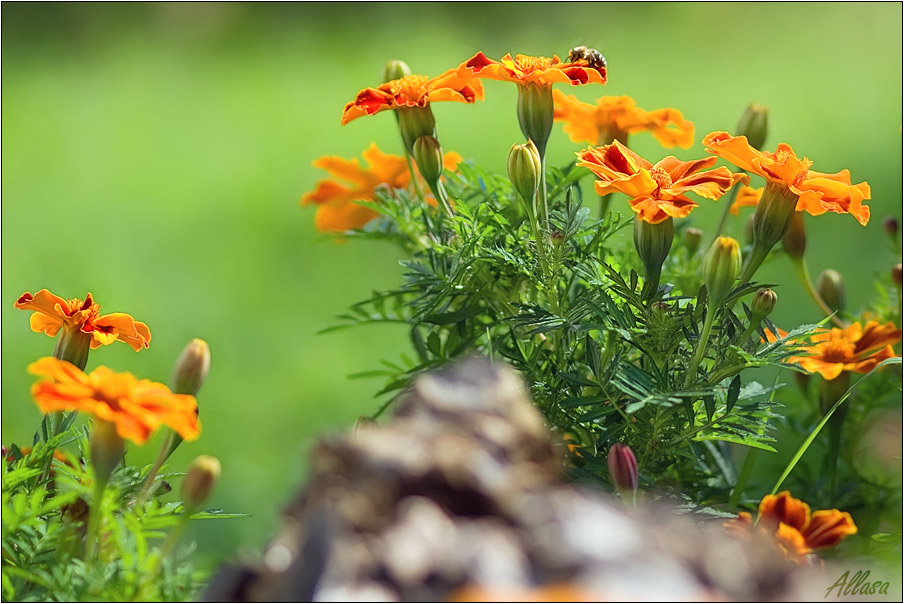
(754, 125)
(415, 122)
(428, 154)
(623, 467)
(692, 239)
(199, 481)
(763, 304)
(795, 238)
(191, 368)
(524, 169)
(890, 224)
(830, 286)
(653, 242)
(556, 237)
(535, 113)
(720, 269)
(395, 70)
(896, 274)
(106, 449)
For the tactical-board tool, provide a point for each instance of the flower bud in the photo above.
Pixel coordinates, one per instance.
(524, 169)
(191, 368)
(896, 274)
(395, 70)
(535, 113)
(754, 124)
(73, 345)
(415, 122)
(556, 238)
(660, 308)
(623, 467)
(428, 154)
(830, 286)
(653, 242)
(720, 269)
(692, 239)
(795, 238)
(763, 304)
(199, 481)
(773, 215)
(106, 449)
(890, 224)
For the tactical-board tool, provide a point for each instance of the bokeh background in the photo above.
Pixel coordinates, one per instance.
(154, 155)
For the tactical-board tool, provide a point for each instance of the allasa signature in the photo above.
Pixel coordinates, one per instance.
(859, 584)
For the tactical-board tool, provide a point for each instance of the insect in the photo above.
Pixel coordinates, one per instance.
(592, 56)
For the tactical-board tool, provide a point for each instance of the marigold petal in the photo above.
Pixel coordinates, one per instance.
(746, 197)
(734, 149)
(46, 303)
(828, 527)
(40, 322)
(791, 541)
(338, 218)
(783, 508)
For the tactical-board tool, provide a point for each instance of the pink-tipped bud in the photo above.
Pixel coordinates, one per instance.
(199, 481)
(191, 368)
(896, 274)
(830, 285)
(890, 224)
(692, 239)
(754, 125)
(623, 467)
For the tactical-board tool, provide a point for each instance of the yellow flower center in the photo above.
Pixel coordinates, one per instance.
(527, 63)
(661, 177)
(412, 88)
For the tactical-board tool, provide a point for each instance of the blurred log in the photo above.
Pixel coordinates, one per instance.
(461, 496)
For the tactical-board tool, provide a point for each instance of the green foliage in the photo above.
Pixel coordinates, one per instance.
(46, 503)
(604, 362)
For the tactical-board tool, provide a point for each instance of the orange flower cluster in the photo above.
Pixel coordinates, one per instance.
(816, 192)
(656, 190)
(337, 204)
(615, 117)
(526, 69)
(135, 407)
(855, 348)
(52, 313)
(795, 529)
(414, 91)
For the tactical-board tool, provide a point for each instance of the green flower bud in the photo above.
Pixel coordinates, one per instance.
(653, 242)
(692, 239)
(556, 238)
(622, 467)
(830, 286)
(660, 308)
(395, 70)
(73, 345)
(720, 269)
(428, 155)
(106, 449)
(199, 481)
(524, 169)
(773, 215)
(763, 304)
(191, 368)
(896, 274)
(754, 124)
(795, 238)
(415, 122)
(535, 113)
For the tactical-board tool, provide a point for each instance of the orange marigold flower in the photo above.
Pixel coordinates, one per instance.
(614, 117)
(525, 69)
(816, 192)
(52, 312)
(414, 91)
(656, 190)
(337, 207)
(795, 529)
(136, 407)
(854, 348)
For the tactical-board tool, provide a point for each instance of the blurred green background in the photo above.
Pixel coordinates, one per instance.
(154, 154)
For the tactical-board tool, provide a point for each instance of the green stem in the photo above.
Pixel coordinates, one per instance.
(754, 260)
(701, 346)
(417, 186)
(800, 268)
(743, 477)
(604, 204)
(149, 481)
(725, 211)
(544, 205)
(94, 517)
(439, 191)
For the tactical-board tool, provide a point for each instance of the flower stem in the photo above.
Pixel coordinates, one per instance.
(149, 481)
(800, 268)
(604, 204)
(544, 205)
(417, 186)
(743, 477)
(725, 210)
(701, 346)
(94, 517)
